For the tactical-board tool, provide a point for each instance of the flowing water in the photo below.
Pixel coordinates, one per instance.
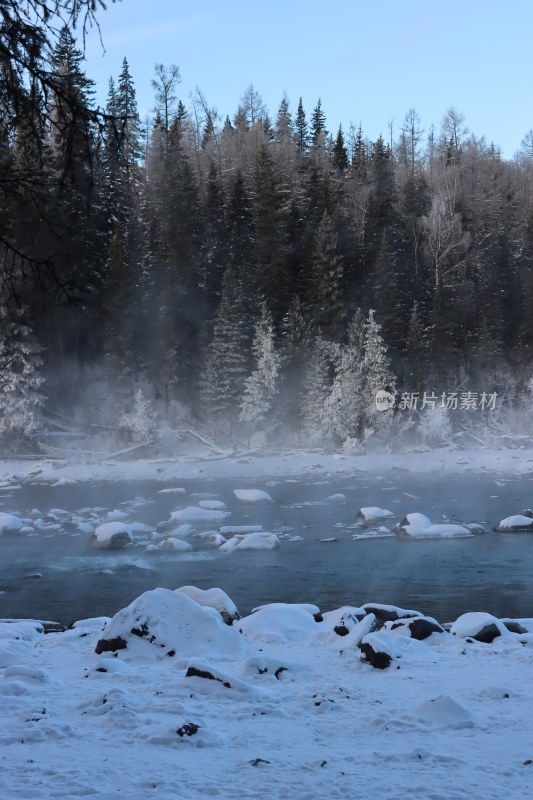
(54, 573)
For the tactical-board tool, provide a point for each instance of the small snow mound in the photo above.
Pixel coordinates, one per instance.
(251, 541)
(162, 624)
(212, 505)
(446, 711)
(111, 536)
(197, 514)
(372, 513)
(177, 545)
(416, 519)
(10, 524)
(252, 496)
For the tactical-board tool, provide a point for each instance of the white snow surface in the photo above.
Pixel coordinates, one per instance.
(214, 598)
(285, 709)
(252, 495)
(197, 514)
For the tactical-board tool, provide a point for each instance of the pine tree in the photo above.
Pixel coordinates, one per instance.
(344, 405)
(126, 109)
(377, 376)
(261, 386)
(302, 130)
(326, 288)
(21, 400)
(284, 130)
(340, 153)
(296, 335)
(318, 126)
(227, 361)
(316, 414)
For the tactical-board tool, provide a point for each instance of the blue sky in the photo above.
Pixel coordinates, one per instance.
(369, 62)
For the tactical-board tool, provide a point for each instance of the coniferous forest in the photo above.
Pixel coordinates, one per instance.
(259, 271)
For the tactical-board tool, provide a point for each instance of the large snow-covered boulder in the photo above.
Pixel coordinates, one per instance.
(418, 526)
(518, 522)
(10, 524)
(280, 623)
(263, 540)
(111, 536)
(162, 623)
(213, 598)
(480, 626)
(372, 514)
(252, 496)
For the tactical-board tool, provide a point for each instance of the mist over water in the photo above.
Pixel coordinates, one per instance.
(56, 575)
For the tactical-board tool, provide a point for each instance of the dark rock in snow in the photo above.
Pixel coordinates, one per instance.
(385, 613)
(377, 659)
(110, 645)
(487, 634)
(513, 626)
(194, 672)
(189, 729)
(420, 628)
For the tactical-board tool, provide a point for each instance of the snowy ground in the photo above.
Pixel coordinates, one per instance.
(284, 464)
(292, 709)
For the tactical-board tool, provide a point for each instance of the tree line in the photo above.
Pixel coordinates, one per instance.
(251, 272)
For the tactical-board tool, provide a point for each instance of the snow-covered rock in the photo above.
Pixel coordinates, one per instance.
(212, 505)
(418, 526)
(480, 626)
(278, 622)
(263, 540)
(197, 514)
(213, 598)
(162, 623)
(176, 545)
(10, 524)
(111, 536)
(518, 522)
(372, 514)
(232, 529)
(415, 519)
(252, 496)
(211, 538)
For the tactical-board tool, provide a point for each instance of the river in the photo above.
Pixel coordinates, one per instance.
(54, 574)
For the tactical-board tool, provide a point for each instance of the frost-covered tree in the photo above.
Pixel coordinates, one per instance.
(317, 388)
(227, 362)
(261, 386)
(21, 400)
(377, 375)
(345, 402)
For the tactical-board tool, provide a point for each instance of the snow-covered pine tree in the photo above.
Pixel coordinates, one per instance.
(344, 405)
(227, 361)
(294, 353)
(21, 401)
(261, 386)
(377, 375)
(317, 388)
